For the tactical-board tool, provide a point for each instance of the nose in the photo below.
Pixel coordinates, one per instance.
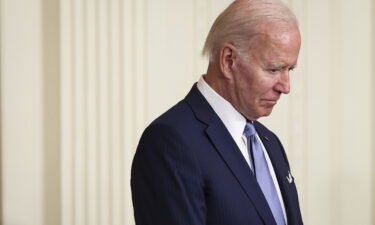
(283, 85)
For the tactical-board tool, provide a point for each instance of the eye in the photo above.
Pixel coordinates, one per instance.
(291, 68)
(274, 70)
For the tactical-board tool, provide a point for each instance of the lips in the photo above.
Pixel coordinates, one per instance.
(270, 100)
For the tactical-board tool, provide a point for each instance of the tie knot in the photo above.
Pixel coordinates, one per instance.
(249, 129)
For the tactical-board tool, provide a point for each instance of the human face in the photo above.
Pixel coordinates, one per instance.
(262, 76)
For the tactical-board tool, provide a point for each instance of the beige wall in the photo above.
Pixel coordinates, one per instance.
(30, 137)
(80, 79)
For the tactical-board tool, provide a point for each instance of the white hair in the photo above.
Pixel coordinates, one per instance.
(242, 20)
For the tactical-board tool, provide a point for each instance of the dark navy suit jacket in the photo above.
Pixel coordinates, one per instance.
(188, 170)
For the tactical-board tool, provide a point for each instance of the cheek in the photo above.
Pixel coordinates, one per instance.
(266, 85)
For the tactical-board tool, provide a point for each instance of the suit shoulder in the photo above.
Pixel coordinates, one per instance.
(172, 123)
(177, 117)
(167, 136)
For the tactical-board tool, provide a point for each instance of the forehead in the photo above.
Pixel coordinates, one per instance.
(276, 45)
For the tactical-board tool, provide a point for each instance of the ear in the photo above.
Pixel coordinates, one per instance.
(227, 59)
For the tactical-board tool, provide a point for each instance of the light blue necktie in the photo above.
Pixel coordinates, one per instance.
(262, 173)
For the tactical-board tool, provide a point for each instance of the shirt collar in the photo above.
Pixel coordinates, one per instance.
(232, 119)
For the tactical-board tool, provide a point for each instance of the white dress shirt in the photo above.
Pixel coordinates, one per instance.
(235, 123)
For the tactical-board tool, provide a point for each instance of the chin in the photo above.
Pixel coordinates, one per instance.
(258, 113)
(266, 112)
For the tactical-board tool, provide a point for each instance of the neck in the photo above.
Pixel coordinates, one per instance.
(217, 80)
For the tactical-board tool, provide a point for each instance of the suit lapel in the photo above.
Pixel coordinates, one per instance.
(281, 169)
(229, 152)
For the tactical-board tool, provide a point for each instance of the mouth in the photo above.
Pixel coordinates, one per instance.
(270, 102)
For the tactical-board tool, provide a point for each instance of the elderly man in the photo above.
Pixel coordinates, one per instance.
(207, 160)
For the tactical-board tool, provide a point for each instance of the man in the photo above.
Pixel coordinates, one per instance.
(207, 160)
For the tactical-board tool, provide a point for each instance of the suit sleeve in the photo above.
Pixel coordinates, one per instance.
(166, 181)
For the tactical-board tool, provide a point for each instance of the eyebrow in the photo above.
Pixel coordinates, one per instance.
(282, 65)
